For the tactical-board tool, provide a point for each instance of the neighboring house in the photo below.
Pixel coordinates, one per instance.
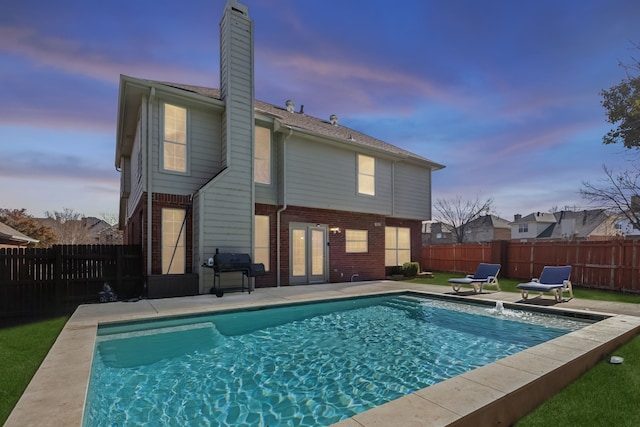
(84, 231)
(206, 170)
(12, 238)
(595, 224)
(436, 233)
(485, 229)
(624, 225)
(101, 232)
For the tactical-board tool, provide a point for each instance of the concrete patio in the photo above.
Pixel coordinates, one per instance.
(496, 394)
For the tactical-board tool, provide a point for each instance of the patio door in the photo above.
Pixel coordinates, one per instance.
(308, 254)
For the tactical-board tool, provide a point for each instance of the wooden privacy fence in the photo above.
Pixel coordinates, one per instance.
(610, 265)
(56, 280)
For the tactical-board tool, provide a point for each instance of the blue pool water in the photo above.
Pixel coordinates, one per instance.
(300, 365)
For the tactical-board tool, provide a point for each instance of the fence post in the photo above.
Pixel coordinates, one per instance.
(119, 260)
(57, 275)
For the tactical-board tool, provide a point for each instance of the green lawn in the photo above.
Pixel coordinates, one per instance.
(607, 395)
(509, 285)
(22, 350)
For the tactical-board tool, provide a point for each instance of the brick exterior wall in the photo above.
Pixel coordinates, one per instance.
(342, 265)
(135, 230)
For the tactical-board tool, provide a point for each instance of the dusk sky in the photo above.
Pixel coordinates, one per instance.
(506, 94)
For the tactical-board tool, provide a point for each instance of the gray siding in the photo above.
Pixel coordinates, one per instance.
(203, 148)
(325, 176)
(226, 203)
(137, 170)
(412, 194)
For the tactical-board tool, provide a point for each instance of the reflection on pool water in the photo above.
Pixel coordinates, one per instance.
(303, 365)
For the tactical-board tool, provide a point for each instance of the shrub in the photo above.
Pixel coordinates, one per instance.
(397, 270)
(410, 269)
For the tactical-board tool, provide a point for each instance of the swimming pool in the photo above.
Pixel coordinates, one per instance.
(306, 364)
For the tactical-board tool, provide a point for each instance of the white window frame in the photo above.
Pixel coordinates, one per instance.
(173, 235)
(523, 228)
(366, 171)
(354, 240)
(262, 156)
(394, 254)
(174, 137)
(261, 240)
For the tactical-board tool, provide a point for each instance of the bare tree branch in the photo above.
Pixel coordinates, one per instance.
(618, 193)
(458, 213)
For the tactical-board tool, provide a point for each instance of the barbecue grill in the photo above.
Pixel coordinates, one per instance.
(224, 262)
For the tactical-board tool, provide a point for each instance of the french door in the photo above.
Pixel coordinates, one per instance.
(308, 254)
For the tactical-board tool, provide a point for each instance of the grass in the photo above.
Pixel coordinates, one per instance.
(604, 396)
(509, 285)
(22, 350)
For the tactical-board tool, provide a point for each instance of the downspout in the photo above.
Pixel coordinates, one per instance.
(152, 95)
(393, 188)
(284, 205)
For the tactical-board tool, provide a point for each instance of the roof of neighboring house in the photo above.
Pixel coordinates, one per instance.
(541, 217)
(301, 122)
(492, 221)
(11, 235)
(585, 222)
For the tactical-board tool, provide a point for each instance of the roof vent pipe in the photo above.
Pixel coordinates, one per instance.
(291, 107)
(333, 119)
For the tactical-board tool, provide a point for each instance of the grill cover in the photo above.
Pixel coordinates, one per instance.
(228, 262)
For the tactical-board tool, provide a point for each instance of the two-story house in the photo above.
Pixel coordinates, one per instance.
(594, 224)
(214, 169)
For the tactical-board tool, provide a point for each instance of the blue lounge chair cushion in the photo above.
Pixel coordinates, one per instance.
(486, 274)
(552, 279)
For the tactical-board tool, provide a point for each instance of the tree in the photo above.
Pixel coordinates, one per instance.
(18, 219)
(69, 227)
(619, 193)
(458, 213)
(622, 103)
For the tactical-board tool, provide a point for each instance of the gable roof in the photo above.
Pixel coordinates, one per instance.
(297, 121)
(13, 236)
(577, 223)
(494, 221)
(540, 217)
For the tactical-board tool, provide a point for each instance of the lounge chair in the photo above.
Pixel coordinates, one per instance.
(553, 279)
(485, 275)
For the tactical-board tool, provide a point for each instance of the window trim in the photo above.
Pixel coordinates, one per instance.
(186, 144)
(360, 174)
(396, 248)
(268, 236)
(268, 161)
(180, 238)
(349, 231)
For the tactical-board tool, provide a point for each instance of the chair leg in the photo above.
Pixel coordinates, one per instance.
(558, 295)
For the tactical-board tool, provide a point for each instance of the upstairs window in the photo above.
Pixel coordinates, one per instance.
(523, 228)
(174, 154)
(262, 156)
(366, 175)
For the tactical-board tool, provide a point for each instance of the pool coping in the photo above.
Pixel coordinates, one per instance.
(495, 394)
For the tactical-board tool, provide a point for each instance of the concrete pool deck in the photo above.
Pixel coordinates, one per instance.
(496, 394)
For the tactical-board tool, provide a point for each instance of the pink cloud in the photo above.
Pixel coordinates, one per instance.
(74, 57)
